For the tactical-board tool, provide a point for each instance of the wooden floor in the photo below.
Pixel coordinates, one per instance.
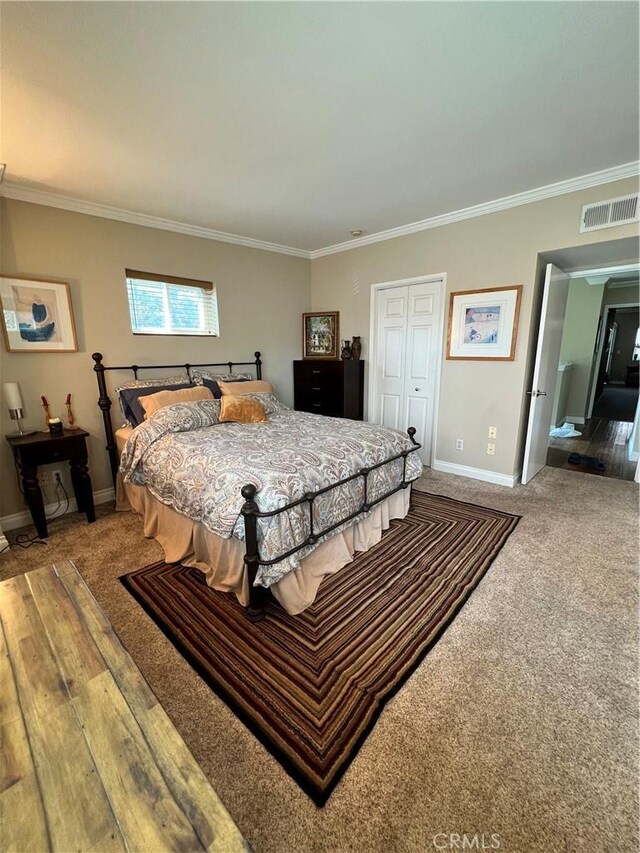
(605, 439)
(90, 760)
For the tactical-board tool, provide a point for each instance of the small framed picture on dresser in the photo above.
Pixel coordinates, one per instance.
(320, 334)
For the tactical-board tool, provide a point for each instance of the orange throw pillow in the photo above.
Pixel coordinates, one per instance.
(242, 410)
(152, 402)
(254, 386)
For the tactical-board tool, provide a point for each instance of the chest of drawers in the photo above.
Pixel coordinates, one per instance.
(334, 388)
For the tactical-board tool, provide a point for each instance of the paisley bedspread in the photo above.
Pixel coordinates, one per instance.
(190, 461)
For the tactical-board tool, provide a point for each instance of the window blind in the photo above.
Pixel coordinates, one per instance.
(160, 306)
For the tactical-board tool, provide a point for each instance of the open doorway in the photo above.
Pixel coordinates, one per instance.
(595, 402)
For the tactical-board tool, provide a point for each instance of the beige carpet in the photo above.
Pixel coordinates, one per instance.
(522, 721)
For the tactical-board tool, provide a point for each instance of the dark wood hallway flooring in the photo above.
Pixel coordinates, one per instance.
(605, 439)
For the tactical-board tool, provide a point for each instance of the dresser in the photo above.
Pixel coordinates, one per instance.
(333, 388)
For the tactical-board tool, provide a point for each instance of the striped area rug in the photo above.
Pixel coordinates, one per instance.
(312, 686)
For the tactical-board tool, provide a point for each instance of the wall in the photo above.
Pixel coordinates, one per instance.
(625, 341)
(261, 296)
(622, 295)
(578, 342)
(488, 251)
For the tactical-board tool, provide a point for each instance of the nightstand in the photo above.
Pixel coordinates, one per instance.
(43, 448)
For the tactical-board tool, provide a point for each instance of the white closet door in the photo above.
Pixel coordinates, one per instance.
(391, 344)
(408, 339)
(423, 340)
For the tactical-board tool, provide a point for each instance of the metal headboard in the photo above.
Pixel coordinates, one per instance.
(104, 400)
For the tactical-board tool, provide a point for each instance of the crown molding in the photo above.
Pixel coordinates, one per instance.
(77, 205)
(583, 182)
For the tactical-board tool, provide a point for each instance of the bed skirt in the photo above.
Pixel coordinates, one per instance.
(222, 560)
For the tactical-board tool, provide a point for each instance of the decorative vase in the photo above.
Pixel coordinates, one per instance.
(47, 413)
(71, 418)
(356, 347)
(346, 351)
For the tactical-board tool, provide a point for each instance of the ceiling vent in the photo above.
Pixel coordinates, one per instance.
(606, 214)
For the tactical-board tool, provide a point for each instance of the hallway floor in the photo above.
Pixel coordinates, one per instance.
(617, 403)
(605, 439)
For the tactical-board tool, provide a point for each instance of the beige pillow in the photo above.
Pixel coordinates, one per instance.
(237, 389)
(242, 410)
(152, 402)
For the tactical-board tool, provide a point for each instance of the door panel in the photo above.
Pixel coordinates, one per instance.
(391, 405)
(420, 349)
(545, 372)
(394, 306)
(418, 416)
(393, 352)
(421, 304)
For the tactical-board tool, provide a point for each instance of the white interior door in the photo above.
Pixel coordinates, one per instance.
(408, 338)
(545, 372)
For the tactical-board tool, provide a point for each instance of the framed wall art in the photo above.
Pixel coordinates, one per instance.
(483, 324)
(321, 334)
(37, 315)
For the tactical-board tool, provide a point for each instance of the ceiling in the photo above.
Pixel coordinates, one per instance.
(297, 122)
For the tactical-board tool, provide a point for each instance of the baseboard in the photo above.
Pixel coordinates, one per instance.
(509, 480)
(21, 519)
(574, 419)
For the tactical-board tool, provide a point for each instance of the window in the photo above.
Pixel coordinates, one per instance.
(165, 305)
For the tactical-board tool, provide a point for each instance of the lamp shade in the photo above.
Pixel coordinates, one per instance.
(12, 395)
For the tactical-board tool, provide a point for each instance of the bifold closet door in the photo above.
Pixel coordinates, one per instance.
(408, 336)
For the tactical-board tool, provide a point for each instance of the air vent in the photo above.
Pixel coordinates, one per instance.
(606, 214)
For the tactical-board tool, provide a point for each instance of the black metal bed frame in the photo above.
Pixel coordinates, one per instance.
(104, 400)
(250, 511)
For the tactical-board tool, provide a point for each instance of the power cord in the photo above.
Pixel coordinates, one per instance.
(25, 540)
(59, 488)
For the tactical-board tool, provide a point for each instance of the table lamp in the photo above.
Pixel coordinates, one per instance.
(14, 404)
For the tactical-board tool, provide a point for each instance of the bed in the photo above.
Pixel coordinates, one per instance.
(258, 507)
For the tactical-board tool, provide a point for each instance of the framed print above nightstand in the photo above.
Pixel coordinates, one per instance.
(483, 324)
(37, 315)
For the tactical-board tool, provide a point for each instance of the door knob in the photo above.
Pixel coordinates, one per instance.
(417, 389)
(537, 393)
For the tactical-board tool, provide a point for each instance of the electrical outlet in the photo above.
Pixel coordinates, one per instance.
(43, 479)
(491, 449)
(459, 444)
(56, 476)
(493, 432)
